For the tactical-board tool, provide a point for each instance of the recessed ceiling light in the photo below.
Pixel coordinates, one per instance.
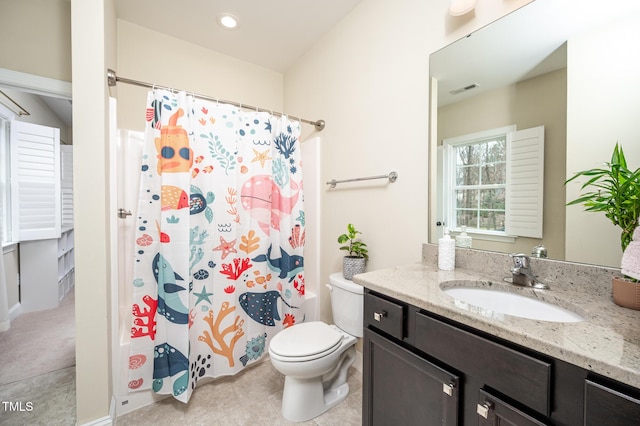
(228, 22)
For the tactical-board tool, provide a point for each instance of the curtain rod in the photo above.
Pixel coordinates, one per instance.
(21, 111)
(112, 79)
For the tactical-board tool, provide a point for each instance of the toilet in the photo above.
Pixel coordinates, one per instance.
(314, 357)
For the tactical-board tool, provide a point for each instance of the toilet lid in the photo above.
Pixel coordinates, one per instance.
(305, 339)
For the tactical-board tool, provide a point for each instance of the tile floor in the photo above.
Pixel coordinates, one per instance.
(250, 398)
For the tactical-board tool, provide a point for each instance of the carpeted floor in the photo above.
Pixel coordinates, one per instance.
(38, 343)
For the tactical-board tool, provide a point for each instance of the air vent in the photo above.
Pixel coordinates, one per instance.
(464, 89)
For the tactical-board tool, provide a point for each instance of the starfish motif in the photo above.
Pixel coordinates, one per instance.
(261, 156)
(226, 247)
(203, 296)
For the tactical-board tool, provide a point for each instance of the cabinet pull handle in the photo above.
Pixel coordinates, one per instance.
(379, 315)
(483, 409)
(448, 388)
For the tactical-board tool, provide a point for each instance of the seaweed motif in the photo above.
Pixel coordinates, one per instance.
(225, 158)
(231, 200)
(250, 242)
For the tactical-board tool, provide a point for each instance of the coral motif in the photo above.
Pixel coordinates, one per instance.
(145, 320)
(234, 270)
(196, 238)
(231, 200)
(250, 242)
(299, 285)
(218, 335)
(297, 237)
(285, 144)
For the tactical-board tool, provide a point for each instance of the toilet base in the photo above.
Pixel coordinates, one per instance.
(305, 399)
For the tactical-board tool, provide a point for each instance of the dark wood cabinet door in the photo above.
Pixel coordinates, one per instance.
(493, 411)
(401, 388)
(606, 406)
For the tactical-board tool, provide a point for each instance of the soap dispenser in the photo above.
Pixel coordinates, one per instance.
(463, 240)
(446, 252)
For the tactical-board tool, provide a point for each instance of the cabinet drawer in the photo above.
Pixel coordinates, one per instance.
(385, 315)
(604, 405)
(493, 411)
(522, 377)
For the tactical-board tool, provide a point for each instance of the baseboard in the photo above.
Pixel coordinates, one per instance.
(15, 311)
(103, 421)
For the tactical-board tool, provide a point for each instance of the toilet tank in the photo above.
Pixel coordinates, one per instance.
(347, 304)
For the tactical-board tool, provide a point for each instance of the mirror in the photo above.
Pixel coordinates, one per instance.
(567, 65)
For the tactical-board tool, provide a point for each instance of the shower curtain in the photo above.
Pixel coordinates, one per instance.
(218, 268)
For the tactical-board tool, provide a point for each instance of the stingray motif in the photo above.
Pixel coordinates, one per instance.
(168, 361)
(262, 198)
(262, 307)
(287, 265)
(169, 303)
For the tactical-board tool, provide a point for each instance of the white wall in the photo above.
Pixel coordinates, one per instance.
(369, 79)
(601, 56)
(36, 37)
(93, 46)
(153, 57)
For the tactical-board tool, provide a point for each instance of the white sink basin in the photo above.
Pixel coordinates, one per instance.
(503, 302)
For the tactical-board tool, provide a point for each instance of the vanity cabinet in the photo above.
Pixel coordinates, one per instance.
(424, 369)
(408, 389)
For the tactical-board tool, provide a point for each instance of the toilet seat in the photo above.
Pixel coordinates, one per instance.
(305, 342)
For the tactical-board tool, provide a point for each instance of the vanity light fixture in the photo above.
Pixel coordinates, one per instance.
(227, 21)
(460, 7)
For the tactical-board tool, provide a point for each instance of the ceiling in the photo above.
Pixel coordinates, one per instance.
(272, 34)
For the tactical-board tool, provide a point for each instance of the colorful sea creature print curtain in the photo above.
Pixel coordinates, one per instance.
(219, 241)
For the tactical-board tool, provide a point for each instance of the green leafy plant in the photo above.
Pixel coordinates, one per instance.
(354, 247)
(616, 194)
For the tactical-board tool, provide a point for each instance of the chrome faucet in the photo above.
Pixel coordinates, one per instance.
(522, 274)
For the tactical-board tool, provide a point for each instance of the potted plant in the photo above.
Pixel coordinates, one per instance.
(617, 194)
(354, 262)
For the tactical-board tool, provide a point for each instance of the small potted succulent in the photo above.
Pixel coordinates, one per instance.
(354, 262)
(617, 194)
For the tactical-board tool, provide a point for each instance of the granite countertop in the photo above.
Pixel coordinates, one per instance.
(607, 342)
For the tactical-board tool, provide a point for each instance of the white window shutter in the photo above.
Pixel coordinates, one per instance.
(525, 182)
(66, 184)
(35, 180)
